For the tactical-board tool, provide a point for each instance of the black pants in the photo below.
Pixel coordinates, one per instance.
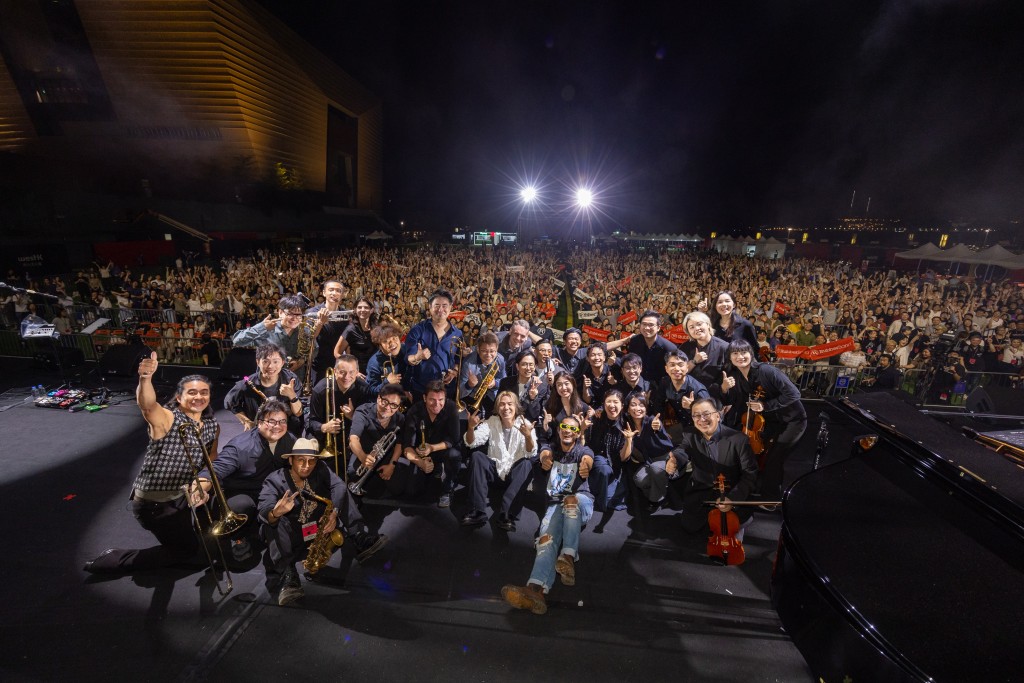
(695, 512)
(786, 436)
(285, 545)
(171, 523)
(483, 474)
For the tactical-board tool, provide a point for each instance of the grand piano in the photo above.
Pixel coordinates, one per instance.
(905, 561)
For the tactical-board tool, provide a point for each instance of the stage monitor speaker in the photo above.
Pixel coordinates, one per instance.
(238, 363)
(995, 400)
(123, 359)
(69, 358)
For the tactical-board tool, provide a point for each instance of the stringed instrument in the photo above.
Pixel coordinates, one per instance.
(723, 546)
(753, 427)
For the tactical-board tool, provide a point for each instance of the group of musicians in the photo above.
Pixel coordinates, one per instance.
(415, 419)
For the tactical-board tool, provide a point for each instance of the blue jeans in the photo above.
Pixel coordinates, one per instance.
(559, 533)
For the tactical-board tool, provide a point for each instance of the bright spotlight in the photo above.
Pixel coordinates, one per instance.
(528, 194)
(584, 197)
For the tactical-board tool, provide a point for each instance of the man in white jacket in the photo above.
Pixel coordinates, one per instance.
(511, 453)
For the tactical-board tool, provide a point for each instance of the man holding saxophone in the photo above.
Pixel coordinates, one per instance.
(482, 371)
(291, 507)
(289, 330)
(373, 465)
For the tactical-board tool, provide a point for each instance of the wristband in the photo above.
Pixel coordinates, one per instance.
(295, 399)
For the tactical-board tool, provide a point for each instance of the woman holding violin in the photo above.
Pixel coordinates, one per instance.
(713, 449)
(755, 390)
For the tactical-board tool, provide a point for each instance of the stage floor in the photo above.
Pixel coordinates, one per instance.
(647, 606)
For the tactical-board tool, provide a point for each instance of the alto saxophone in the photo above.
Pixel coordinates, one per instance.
(324, 543)
(473, 404)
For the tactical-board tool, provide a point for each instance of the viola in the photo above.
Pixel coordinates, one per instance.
(753, 427)
(723, 546)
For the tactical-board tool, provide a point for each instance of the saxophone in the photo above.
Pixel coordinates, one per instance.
(473, 404)
(324, 543)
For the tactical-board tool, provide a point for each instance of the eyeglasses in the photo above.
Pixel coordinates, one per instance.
(389, 404)
(704, 416)
(275, 423)
(569, 428)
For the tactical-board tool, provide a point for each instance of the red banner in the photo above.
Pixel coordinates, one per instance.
(786, 351)
(627, 318)
(675, 334)
(596, 333)
(457, 315)
(781, 308)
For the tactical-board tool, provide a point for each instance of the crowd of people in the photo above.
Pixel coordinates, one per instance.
(445, 382)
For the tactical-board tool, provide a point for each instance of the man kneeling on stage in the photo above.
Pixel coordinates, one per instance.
(291, 516)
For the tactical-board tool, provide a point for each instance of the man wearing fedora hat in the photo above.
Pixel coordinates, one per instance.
(290, 520)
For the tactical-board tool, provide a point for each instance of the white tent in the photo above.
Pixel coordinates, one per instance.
(377, 235)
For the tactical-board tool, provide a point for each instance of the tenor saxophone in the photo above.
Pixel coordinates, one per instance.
(324, 544)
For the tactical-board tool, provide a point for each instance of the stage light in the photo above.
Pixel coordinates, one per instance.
(584, 198)
(528, 194)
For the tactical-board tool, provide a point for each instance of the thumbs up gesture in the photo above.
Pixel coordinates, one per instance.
(656, 422)
(686, 401)
(147, 368)
(288, 390)
(727, 382)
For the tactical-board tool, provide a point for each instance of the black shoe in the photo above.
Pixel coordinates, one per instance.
(291, 587)
(474, 518)
(98, 566)
(506, 523)
(367, 544)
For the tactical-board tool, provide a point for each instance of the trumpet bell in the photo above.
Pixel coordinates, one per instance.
(231, 523)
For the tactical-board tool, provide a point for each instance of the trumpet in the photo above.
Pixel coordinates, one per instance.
(338, 316)
(379, 450)
(228, 524)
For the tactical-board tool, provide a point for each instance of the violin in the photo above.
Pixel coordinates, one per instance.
(753, 427)
(723, 546)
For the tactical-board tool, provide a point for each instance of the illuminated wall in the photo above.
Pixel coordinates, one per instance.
(182, 81)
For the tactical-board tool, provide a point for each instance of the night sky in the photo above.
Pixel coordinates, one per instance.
(686, 116)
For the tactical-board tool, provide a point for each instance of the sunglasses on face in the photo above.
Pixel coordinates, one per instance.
(569, 427)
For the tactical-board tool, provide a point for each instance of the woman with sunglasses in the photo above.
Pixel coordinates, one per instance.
(570, 504)
(647, 448)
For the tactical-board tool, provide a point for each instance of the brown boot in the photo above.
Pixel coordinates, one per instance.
(566, 568)
(530, 596)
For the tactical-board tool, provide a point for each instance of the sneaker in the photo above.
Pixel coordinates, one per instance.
(566, 568)
(445, 500)
(367, 544)
(506, 523)
(474, 518)
(530, 596)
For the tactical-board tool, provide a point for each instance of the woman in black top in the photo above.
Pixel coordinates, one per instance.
(727, 322)
(564, 400)
(647, 447)
(357, 337)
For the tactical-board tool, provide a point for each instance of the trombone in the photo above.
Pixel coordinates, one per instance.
(330, 441)
(228, 524)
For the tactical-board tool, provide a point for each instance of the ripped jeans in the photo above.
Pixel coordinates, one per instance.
(559, 533)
